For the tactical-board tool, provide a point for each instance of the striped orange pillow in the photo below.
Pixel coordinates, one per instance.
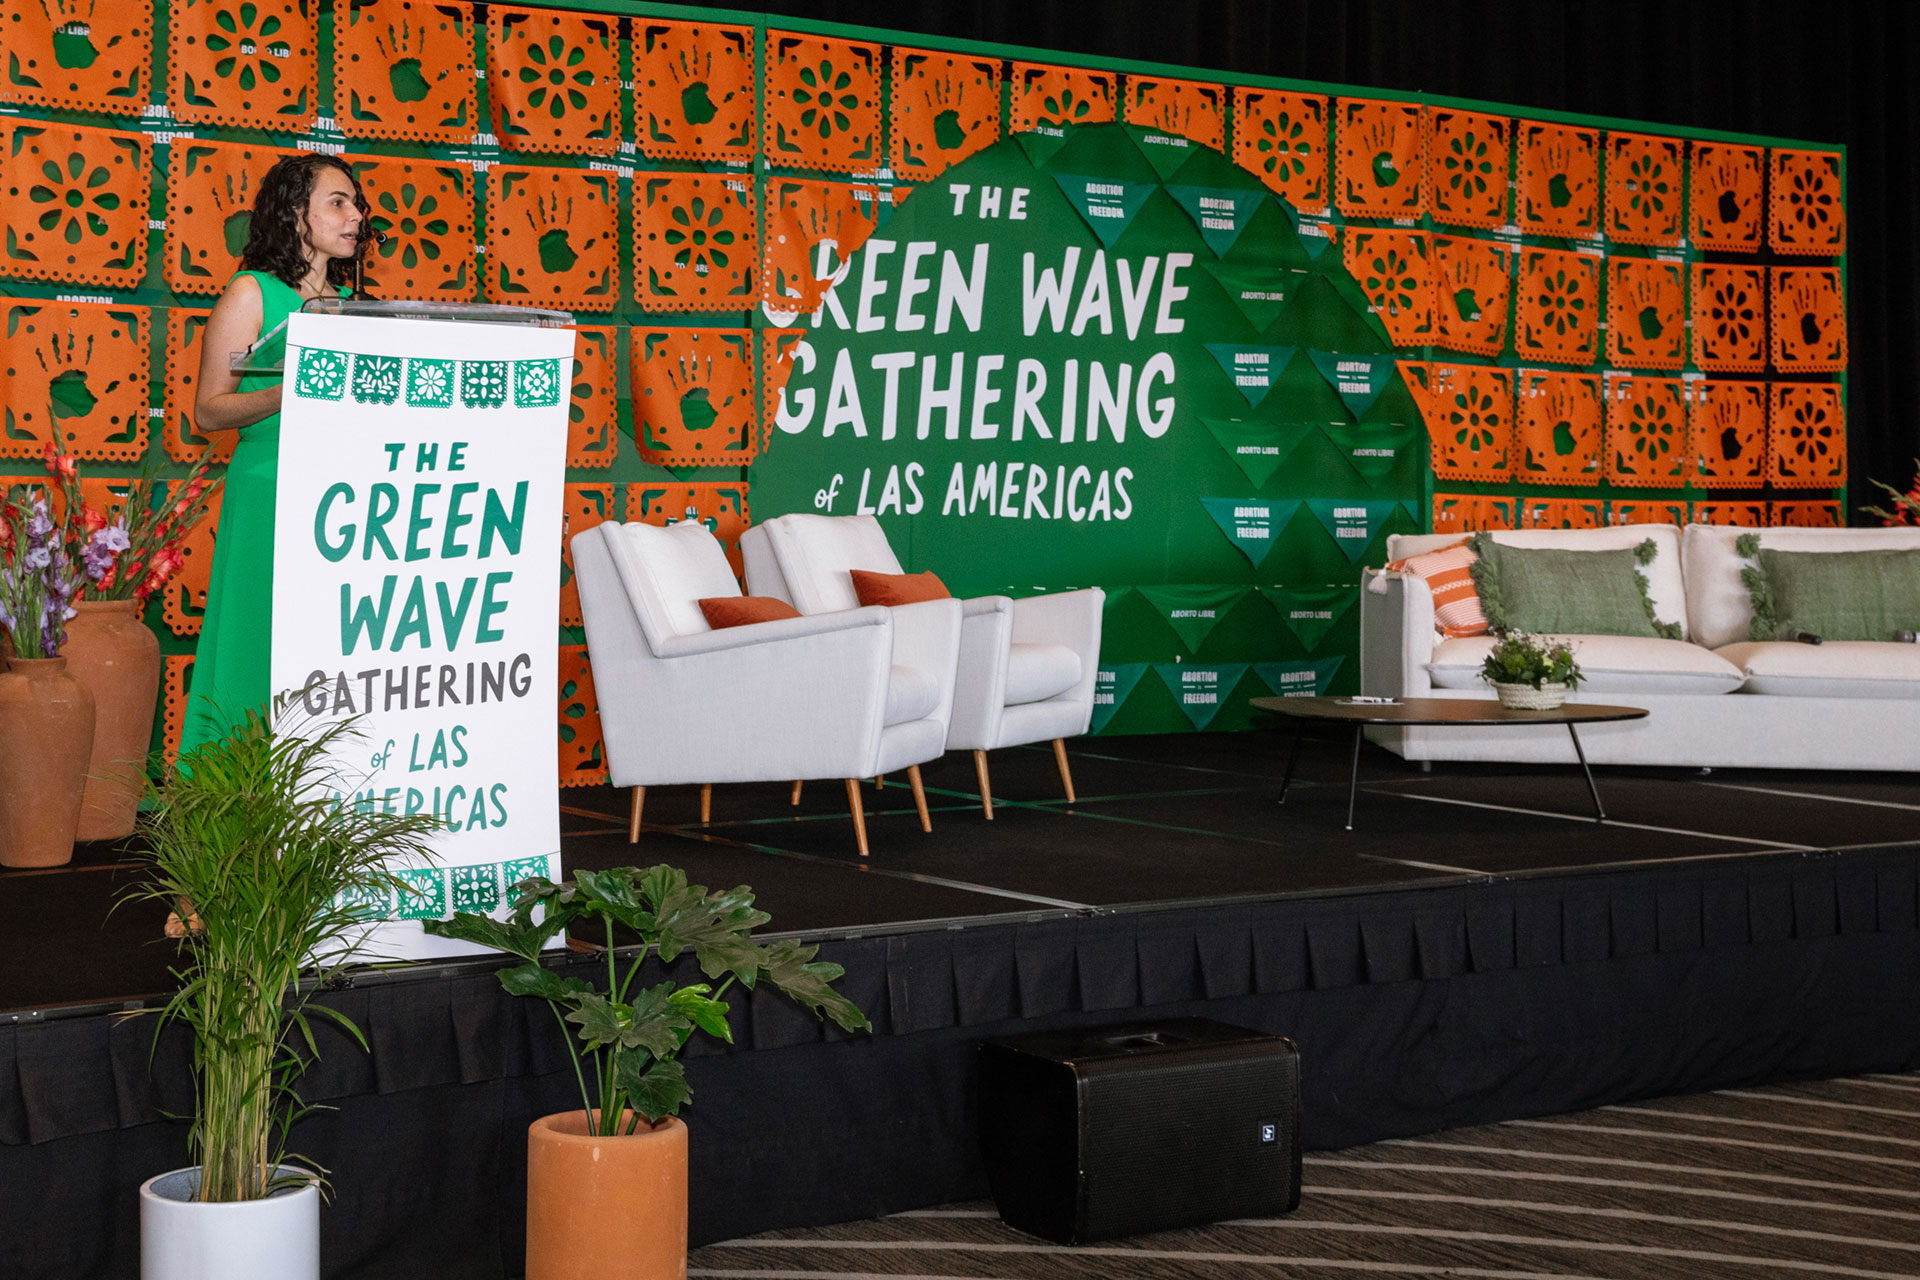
(1449, 574)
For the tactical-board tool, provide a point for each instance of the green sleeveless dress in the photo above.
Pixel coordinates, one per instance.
(230, 666)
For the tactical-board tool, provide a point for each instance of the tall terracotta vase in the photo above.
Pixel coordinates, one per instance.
(611, 1208)
(117, 658)
(46, 736)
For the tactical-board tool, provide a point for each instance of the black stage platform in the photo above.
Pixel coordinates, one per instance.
(1477, 949)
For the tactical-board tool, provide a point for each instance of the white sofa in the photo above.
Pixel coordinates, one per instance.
(1716, 698)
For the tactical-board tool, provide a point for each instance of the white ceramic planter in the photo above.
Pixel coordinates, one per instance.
(182, 1240)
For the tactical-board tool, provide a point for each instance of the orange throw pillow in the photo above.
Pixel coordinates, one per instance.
(741, 611)
(898, 588)
(1456, 601)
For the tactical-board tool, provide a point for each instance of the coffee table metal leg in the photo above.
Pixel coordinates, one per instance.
(1599, 814)
(1353, 775)
(1286, 779)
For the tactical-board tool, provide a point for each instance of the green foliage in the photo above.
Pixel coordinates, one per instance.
(1519, 658)
(249, 838)
(631, 1035)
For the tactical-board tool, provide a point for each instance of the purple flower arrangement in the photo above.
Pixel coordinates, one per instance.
(38, 580)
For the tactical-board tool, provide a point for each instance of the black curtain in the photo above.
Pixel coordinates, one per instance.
(1838, 71)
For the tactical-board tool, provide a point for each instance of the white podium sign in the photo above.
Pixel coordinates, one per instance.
(416, 586)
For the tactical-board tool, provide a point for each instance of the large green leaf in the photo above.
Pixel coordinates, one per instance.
(601, 1021)
(500, 935)
(791, 967)
(707, 1014)
(658, 1091)
(534, 979)
(654, 1023)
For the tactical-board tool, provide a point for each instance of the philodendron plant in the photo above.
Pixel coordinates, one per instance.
(628, 1037)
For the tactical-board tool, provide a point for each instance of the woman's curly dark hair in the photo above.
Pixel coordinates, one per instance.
(274, 243)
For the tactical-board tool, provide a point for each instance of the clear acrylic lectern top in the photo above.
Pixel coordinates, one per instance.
(255, 360)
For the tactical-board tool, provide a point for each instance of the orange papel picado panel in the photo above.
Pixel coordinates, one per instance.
(1558, 316)
(1468, 513)
(1184, 108)
(404, 69)
(76, 376)
(424, 208)
(1644, 188)
(1658, 511)
(244, 64)
(76, 55)
(1646, 432)
(813, 228)
(1729, 307)
(1472, 289)
(583, 753)
(1382, 169)
(1282, 137)
(554, 80)
(1727, 434)
(945, 108)
(1805, 514)
(696, 246)
(1559, 183)
(693, 90)
(693, 402)
(1726, 212)
(553, 238)
(1049, 98)
(74, 203)
(823, 103)
(1808, 214)
(184, 598)
(176, 679)
(586, 506)
(1807, 430)
(1646, 313)
(779, 350)
(1559, 417)
(1750, 515)
(1468, 158)
(183, 441)
(1394, 270)
(1562, 513)
(211, 187)
(593, 440)
(1469, 415)
(1809, 320)
(719, 505)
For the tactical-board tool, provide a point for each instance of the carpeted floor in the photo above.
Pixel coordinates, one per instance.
(1804, 1180)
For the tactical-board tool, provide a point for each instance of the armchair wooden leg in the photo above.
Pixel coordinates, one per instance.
(1066, 774)
(986, 788)
(859, 817)
(879, 782)
(796, 792)
(919, 797)
(706, 803)
(633, 821)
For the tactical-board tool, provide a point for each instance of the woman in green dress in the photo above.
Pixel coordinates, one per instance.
(308, 233)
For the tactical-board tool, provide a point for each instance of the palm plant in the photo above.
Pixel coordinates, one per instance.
(252, 838)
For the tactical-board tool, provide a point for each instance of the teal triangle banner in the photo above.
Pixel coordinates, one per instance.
(1252, 524)
(1310, 612)
(1193, 611)
(1412, 507)
(1299, 679)
(1111, 685)
(1352, 523)
(1372, 449)
(1257, 448)
(1261, 292)
(1200, 690)
(1358, 379)
(1043, 143)
(1166, 152)
(1254, 370)
(1108, 204)
(1316, 237)
(1221, 213)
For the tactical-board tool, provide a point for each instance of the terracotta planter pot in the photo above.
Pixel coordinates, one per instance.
(46, 736)
(112, 653)
(611, 1208)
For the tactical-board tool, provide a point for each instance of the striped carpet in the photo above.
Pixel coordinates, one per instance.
(1800, 1181)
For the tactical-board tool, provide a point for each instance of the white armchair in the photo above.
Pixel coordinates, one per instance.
(1027, 667)
(844, 696)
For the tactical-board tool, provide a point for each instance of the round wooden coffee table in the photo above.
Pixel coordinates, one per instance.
(1449, 712)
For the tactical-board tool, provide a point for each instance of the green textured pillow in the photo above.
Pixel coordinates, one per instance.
(1549, 591)
(1836, 595)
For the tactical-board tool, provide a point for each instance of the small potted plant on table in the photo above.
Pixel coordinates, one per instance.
(250, 842)
(1530, 674)
(607, 1184)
